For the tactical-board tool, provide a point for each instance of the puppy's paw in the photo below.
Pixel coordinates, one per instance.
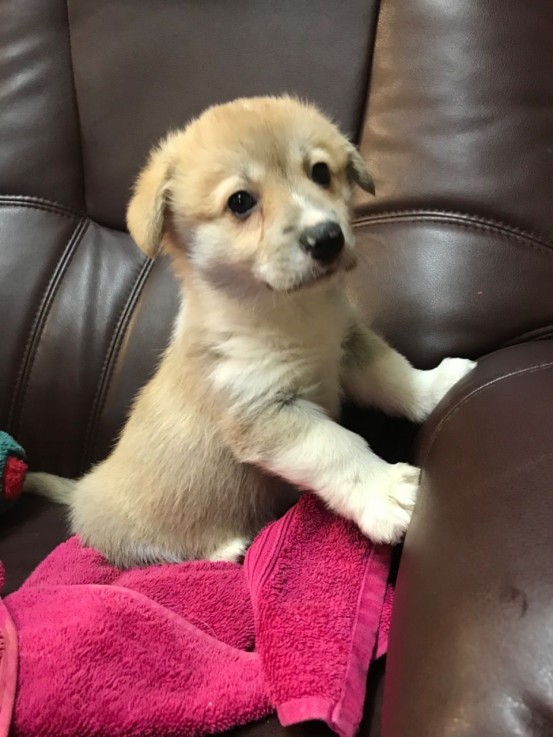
(389, 503)
(231, 551)
(436, 383)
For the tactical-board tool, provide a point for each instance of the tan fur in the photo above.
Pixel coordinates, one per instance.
(241, 412)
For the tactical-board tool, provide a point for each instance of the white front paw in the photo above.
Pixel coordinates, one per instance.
(436, 383)
(447, 374)
(389, 503)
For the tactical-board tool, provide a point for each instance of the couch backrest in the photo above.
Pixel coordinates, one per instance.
(452, 104)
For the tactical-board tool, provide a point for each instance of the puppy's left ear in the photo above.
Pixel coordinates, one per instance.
(357, 170)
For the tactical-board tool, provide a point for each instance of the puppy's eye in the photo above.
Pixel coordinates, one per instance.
(320, 174)
(240, 203)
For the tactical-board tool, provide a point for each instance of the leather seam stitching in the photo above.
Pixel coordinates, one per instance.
(452, 218)
(51, 208)
(24, 373)
(522, 240)
(110, 359)
(475, 392)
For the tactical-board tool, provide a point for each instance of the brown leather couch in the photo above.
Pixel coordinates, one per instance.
(452, 103)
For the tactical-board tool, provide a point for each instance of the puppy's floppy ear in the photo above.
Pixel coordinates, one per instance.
(147, 211)
(357, 169)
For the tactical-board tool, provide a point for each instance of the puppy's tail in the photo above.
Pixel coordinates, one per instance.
(53, 487)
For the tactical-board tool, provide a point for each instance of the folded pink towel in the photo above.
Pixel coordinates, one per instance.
(197, 648)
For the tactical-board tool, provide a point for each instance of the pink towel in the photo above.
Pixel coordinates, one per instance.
(197, 648)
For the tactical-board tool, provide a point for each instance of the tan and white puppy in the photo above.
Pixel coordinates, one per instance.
(252, 201)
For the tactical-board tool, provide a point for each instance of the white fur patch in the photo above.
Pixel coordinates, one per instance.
(432, 386)
(310, 214)
(248, 370)
(230, 551)
(300, 349)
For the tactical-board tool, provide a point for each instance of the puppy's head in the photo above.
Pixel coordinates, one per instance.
(253, 194)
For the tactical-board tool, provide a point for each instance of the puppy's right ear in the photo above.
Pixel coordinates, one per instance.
(147, 211)
(357, 170)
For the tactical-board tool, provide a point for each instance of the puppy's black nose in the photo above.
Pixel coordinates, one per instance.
(323, 241)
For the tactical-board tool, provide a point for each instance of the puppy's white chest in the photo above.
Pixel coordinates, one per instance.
(303, 360)
(321, 383)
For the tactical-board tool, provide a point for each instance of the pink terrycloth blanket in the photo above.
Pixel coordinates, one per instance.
(197, 648)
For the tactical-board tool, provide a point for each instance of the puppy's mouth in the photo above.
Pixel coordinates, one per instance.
(319, 274)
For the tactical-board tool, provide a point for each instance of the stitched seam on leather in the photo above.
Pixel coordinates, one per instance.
(535, 246)
(457, 215)
(451, 217)
(38, 203)
(76, 102)
(110, 360)
(475, 392)
(33, 340)
(40, 208)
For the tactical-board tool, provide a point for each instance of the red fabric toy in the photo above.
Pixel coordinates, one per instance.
(13, 467)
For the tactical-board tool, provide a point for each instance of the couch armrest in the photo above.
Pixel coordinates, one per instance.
(471, 647)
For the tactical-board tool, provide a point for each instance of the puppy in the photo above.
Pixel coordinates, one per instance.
(252, 200)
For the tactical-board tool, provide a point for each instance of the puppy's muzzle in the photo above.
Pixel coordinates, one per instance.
(323, 242)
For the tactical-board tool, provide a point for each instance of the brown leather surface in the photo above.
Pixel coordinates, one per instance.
(460, 111)
(73, 302)
(438, 283)
(471, 643)
(39, 129)
(168, 64)
(144, 332)
(34, 239)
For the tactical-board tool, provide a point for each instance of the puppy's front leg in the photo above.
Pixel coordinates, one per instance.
(375, 374)
(296, 440)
